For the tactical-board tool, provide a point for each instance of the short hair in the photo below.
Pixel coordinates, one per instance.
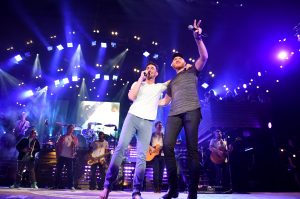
(70, 126)
(177, 55)
(156, 123)
(152, 63)
(100, 132)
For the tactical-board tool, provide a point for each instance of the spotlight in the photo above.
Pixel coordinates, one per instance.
(49, 48)
(60, 47)
(204, 85)
(103, 45)
(259, 74)
(282, 55)
(74, 78)
(146, 54)
(106, 77)
(66, 80)
(244, 86)
(70, 45)
(155, 56)
(56, 82)
(28, 93)
(18, 58)
(94, 43)
(114, 77)
(97, 76)
(113, 44)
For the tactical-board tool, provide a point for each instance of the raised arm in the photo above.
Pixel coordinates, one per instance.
(133, 92)
(203, 55)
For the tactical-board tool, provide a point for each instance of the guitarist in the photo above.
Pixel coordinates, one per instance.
(98, 148)
(158, 162)
(218, 148)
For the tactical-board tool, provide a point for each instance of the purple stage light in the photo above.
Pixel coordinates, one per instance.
(56, 82)
(18, 58)
(97, 76)
(146, 54)
(204, 85)
(60, 47)
(106, 77)
(28, 93)
(103, 45)
(66, 80)
(74, 78)
(282, 55)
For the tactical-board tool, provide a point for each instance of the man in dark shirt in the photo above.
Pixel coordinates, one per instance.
(184, 112)
(27, 148)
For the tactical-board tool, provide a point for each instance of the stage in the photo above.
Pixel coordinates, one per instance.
(26, 193)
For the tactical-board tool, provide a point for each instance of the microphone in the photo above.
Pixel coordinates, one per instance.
(192, 28)
(145, 74)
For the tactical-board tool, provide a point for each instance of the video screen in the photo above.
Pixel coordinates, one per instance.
(99, 116)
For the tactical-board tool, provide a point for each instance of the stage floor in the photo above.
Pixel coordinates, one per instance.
(25, 193)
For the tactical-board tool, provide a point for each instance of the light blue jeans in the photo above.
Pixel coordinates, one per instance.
(142, 129)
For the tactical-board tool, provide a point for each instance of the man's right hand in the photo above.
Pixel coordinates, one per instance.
(143, 76)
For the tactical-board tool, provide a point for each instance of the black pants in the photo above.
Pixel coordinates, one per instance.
(190, 122)
(158, 165)
(102, 169)
(29, 164)
(68, 162)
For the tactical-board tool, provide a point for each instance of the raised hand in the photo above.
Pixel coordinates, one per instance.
(198, 29)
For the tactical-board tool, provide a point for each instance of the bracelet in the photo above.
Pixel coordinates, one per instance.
(198, 37)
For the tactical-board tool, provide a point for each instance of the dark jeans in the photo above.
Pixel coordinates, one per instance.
(190, 122)
(102, 168)
(158, 165)
(68, 162)
(222, 177)
(29, 167)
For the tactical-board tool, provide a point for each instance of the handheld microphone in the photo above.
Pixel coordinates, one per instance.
(192, 28)
(145, 74)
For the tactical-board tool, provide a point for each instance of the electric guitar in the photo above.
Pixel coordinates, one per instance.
(151, 154)
(94, 160)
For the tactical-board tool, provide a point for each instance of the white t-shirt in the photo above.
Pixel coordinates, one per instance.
(146, 103)
(99, 148)
(67, 150)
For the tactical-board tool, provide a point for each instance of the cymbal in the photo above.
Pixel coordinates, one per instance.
(61, 124)
(95, 123)
(109, 125)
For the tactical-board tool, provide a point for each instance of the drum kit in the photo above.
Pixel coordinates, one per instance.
(91, 132)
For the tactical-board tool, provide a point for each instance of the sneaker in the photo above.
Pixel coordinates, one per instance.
(14, 186)
(34, 186)
(170, 194)
(72, 188)
(136, 195)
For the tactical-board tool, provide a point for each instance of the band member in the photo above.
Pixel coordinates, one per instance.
(99, 150)
(184, 112)
(218, 147)
(22, 126)
(145, 94)
(65, 154)
(158, 162)
(27, 148)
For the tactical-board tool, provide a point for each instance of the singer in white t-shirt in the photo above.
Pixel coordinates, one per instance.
(145, 94)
